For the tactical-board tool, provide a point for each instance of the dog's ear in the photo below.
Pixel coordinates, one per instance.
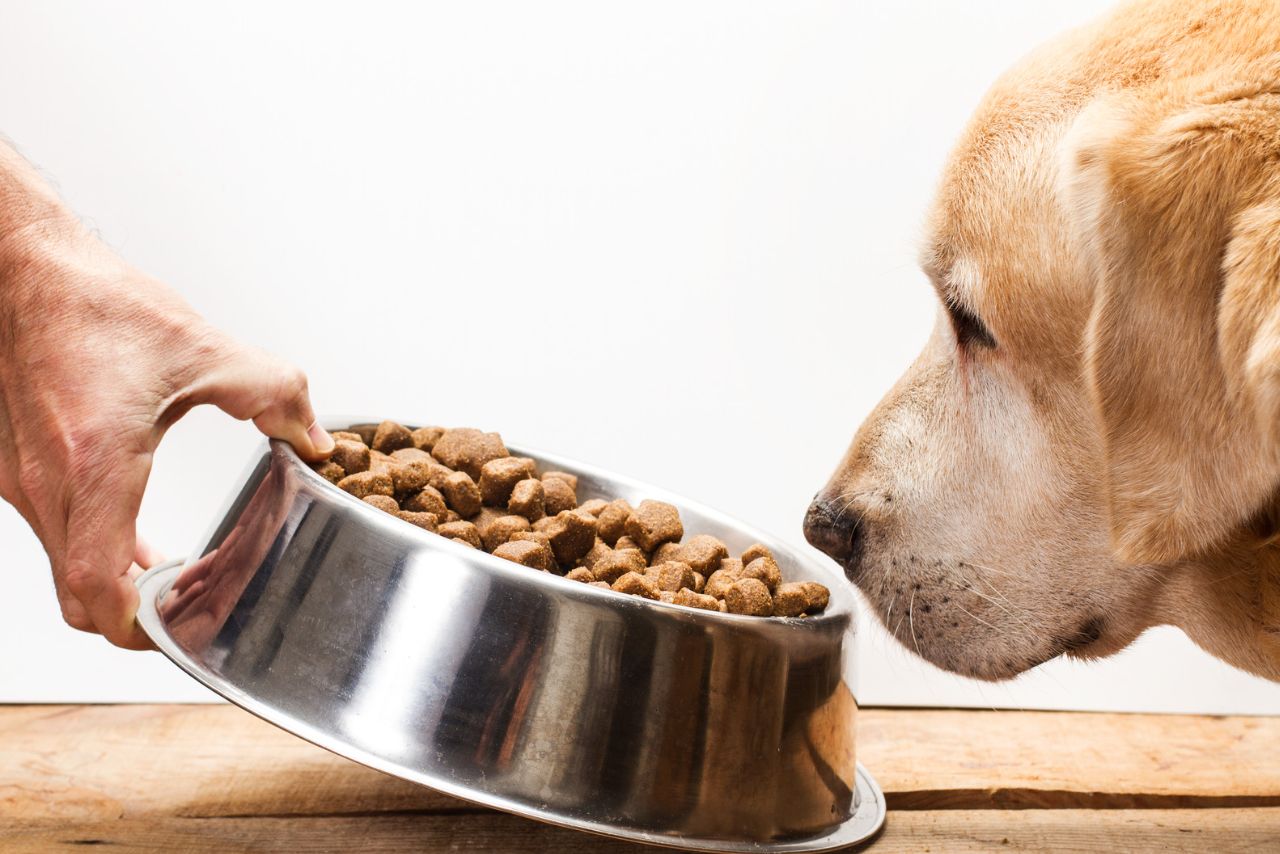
(1176, 196)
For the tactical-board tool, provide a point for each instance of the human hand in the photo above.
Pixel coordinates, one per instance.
(97, 361)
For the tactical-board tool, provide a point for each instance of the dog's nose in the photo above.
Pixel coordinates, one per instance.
(833, 527)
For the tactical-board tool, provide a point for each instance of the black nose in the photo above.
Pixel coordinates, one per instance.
(833, 527)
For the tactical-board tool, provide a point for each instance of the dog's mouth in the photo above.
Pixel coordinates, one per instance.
(1083, 644)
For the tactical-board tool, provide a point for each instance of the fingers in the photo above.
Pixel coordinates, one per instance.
(144, 555)
(253, 385)
(95, 582)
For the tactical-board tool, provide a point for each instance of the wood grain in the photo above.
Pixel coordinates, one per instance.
(1224, 831)
(195, 778)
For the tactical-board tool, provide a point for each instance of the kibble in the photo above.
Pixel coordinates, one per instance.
(426, 500)
(466, 449)
(637, 585)
(498, 477)
(572, 534)
(499, 531)
(391, 436)
(654, 523)
(765, 569)
(528, 498)
(425, 438)
(352, 456)
(331, 471)
(383, 502)
(461, 494)
(463, 484)
(749, 596)
(557, 495)
(612, 520)
(367, 483)
(426, 521)
(525, 553)
(464, 531)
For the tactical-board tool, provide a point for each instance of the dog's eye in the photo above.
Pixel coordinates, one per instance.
(969, 329)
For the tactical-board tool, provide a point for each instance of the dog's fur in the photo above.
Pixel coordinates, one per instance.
(1111, 461)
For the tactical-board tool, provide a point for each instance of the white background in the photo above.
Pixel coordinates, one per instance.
(672, 239)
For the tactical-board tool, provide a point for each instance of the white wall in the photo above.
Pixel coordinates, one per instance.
(498, 207)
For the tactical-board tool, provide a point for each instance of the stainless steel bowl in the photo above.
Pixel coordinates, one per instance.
(519, 689)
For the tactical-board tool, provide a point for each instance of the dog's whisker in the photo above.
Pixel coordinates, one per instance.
(911, 617)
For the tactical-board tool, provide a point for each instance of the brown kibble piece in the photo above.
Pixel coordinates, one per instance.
(666, 596)
(546, 523)
(703, 553)
(618, 563)
(557, 495)
(766, 569)
(749, 596)
(531, 536)
(528, 499)
(664, 553)
(654, 523)
(464, 542)
(625, 542)
(498, 477)
(817, 594)
(450, 516)
(598, 551)
(408, 455)
(346, 436)
(572, 536)
(352, 456)
(500, 530)
(424, 438)
(385, 503)
(467, 449)
(637, 585)
(426, 521)
(525, 553)
(580, 574)
(691, 599)
(603, 584)
(364, 431)
(367, 483)
(330, 471)
(426, 500)
(790, 600)
(462, 494)
(594, 506)
(391, 436)
(461, 531)
(571, 479)
(412, 475)
(754, 551)
(613, 520)
(721, 580)
(699, 582)
(671, 576)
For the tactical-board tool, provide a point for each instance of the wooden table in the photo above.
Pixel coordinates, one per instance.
(197, 778)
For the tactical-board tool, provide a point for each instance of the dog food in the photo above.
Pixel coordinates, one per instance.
(465, 486)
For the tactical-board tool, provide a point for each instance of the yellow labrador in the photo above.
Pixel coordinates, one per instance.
(1089, 444)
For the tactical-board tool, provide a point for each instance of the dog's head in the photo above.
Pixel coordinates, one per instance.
(1089, 443)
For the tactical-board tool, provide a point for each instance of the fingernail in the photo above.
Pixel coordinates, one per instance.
(322, 441)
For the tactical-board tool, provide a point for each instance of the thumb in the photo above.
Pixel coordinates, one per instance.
(251, 384)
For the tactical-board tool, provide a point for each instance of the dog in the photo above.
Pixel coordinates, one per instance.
(1089, 443)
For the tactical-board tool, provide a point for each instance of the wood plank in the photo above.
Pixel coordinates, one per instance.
(1223, 831)
(942, 758)
(98, 763)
